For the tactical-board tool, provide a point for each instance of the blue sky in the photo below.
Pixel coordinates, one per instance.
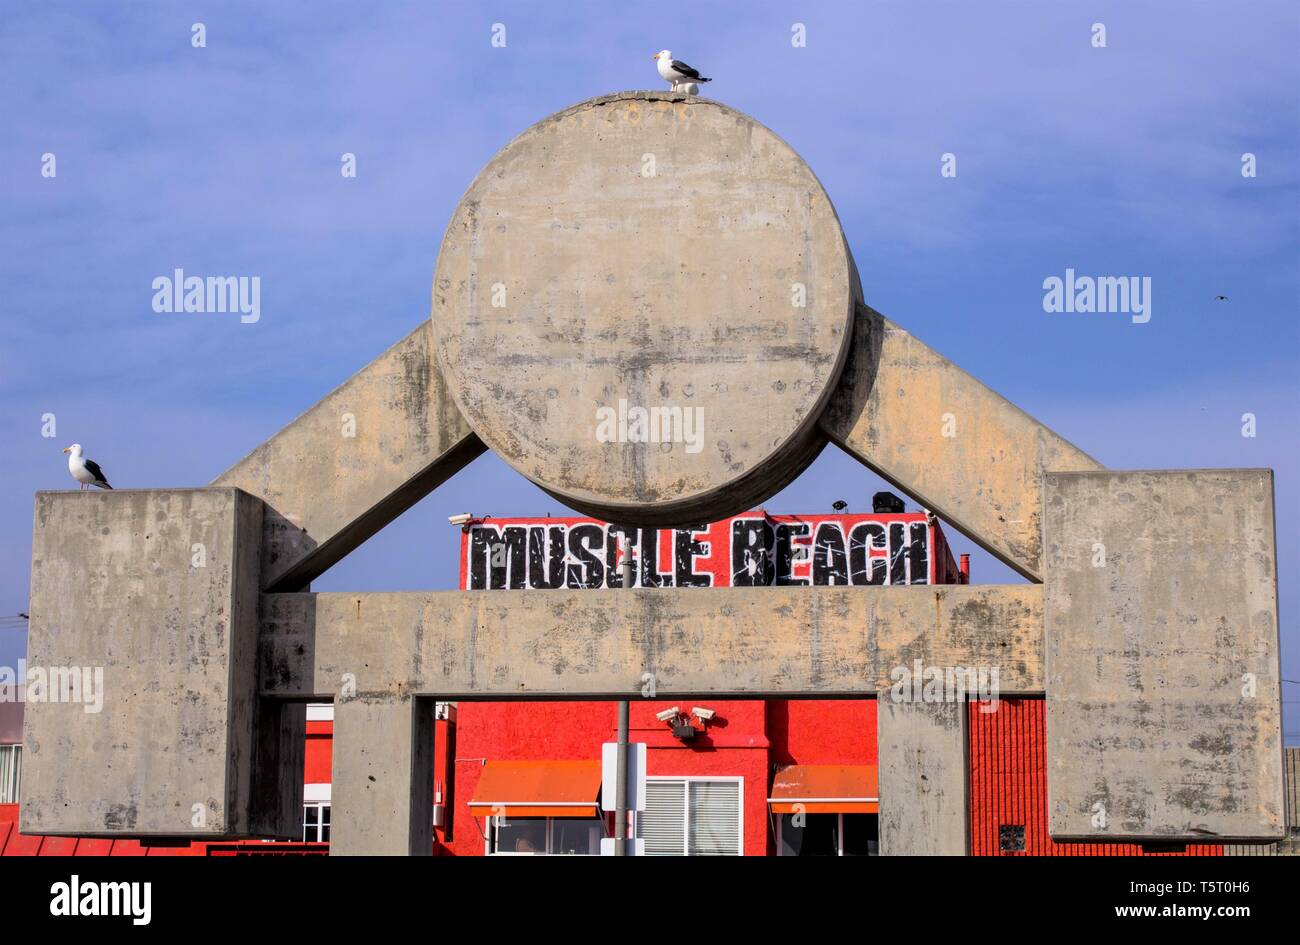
(1123, 160)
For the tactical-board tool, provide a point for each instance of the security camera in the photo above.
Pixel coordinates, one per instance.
(703, 712)
(464, 518)
(667, 715)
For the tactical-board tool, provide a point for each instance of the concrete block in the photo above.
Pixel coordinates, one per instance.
(924, 775)
(154, 593)
(937, 433)
(354, 462)
(382, 776)
(1163, 692)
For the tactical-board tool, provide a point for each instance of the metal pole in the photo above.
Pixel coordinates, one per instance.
(620, 760)
(620, 812)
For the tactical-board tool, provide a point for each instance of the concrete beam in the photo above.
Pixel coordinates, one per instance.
(1163, 688)
(144, 604)
(924, 774)
(591, 644)
(354, 462)
(382, 776)
(959, 448)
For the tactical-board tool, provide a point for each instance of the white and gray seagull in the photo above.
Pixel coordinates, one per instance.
(677, 72)
(85, 471)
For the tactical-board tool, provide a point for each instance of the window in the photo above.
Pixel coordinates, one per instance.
(11, 770)
(859, 835)
(828, 835)
(316, 823)
(544, 836)
(692, 817)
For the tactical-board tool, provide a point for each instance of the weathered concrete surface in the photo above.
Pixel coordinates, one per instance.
(659, 250)
(896, 401)
(156, 590)
(923, 767)
(354, 462)
(278, 788)
(382, 776)
(600, 644)
(1163, 692)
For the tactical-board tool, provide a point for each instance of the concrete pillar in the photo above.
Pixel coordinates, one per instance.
(382, 799)
(924, 776)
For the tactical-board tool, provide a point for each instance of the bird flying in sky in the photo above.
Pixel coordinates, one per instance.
(85, 471)
(675, 71)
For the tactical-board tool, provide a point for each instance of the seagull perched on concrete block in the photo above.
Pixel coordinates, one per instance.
(85, 471)
(678, 73)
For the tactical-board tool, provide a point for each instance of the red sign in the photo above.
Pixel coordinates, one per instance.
(750, 550)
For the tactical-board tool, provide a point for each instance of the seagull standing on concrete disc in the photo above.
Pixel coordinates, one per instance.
(85, 471)
(675, 71)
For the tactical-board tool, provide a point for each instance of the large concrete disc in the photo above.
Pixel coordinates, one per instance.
(646, 250)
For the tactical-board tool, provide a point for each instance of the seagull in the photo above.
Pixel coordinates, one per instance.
(675, 71)
(85, 471)
(1220, 298)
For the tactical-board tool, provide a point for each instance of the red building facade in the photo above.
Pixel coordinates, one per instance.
(710, 781)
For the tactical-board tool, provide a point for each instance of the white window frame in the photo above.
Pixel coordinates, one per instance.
(321, 807)
(686, 800)
(15, 753)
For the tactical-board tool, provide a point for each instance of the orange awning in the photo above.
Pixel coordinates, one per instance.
(538, 789)
(825, 789)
